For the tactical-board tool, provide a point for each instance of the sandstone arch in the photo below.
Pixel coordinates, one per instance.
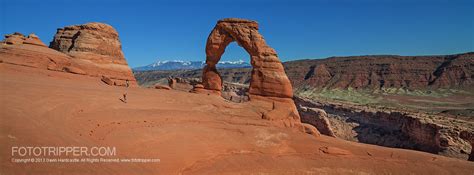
(268, 75)
(270, 89)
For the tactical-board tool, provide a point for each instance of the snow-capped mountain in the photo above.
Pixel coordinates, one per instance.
(178, 64)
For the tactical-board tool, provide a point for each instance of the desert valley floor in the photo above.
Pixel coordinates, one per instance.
(190, 133)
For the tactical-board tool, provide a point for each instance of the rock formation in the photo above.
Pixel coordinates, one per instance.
(172, 82)
(30, 51)
(107, 80)
(469, 137)
(269, 87)
(235, 92)
(96, 49)
(397, 129)
(384, 71)
(189, 133)
(318, 118)
(159, 86)
(92, 49)
(268, 75)
(18, 38)
(361, 72)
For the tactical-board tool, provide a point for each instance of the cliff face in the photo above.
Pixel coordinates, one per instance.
(93, 41)
(375, 72)
(397, 129)
(96, 48)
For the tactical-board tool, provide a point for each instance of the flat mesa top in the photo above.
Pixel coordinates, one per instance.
(236, 20)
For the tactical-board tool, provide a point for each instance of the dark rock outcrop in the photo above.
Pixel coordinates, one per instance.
(469, 137)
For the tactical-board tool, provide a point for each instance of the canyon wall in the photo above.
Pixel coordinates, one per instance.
(393, 128)
(384, 71)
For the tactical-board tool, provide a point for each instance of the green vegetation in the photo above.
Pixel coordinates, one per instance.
(429, 101)
(349, 95)
(162, 81)
(438, 93)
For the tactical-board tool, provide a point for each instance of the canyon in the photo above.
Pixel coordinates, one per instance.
(394, 128)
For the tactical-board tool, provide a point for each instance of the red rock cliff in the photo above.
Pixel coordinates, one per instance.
(96, 48)
(384, 71)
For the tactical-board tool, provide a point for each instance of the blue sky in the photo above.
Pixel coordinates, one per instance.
(169, 30)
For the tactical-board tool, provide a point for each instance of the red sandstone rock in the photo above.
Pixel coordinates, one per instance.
(199, 86)
(270, 89)
(107, 81)
(74, 70)
(14, 39)
(281, 112)
(159, 86)
(384, 71)
(334, 151)
(96, 49)
(199, 89)
(268, 75)
(171, 82)
(33, 40)
(18, 38)
(318, 118)
(310, 129)
(29, 51)
(323, 76)
(211, 79)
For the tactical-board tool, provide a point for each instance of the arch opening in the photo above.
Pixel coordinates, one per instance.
(268, 77)
(235, 78)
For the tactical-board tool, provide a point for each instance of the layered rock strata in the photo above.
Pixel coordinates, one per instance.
(30, 51)
(96, 49)
(398, 129)
(269, 86)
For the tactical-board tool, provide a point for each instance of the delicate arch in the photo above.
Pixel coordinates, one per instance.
(268, 75)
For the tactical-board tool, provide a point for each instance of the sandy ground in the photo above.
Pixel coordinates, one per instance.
(189, 133)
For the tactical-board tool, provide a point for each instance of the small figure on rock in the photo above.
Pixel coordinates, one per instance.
(125, 97)
(127, 84)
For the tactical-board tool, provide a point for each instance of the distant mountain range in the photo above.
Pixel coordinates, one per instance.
(359, 72)
(189, 65)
